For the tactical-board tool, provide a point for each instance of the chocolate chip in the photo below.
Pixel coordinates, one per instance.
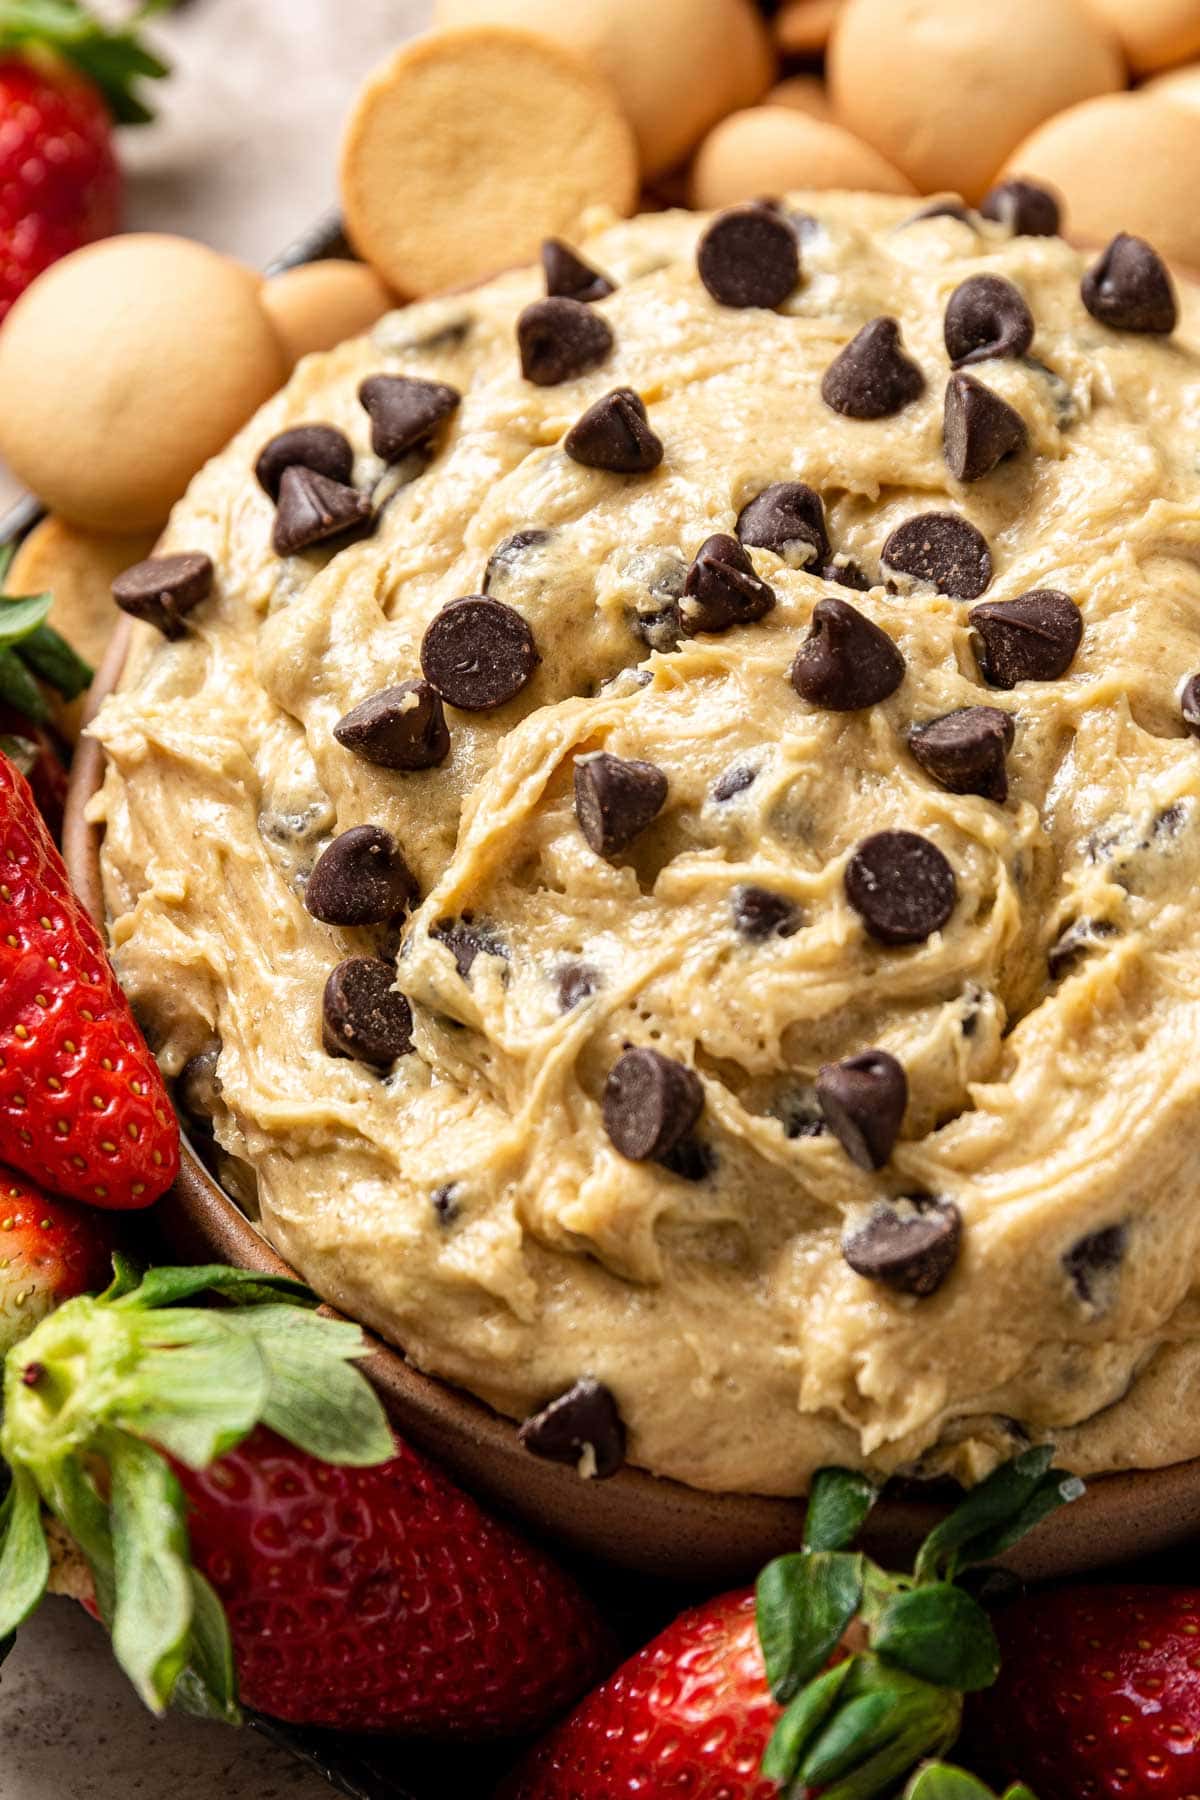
(943, 550)
(965, 751)
(467, 939)
(789, 519)
(1189, 704)
(722, 589)
(941, 209)
(912, 1252)
(312, 508)
(363, 1016)
(615, 434)
(1027, 210)
(405, 412)
(1031, 638)
(656, 619)
(872, 377)
(651, 1103)
(901, 886)
(507, 556)
(198, 1087)
(979, 429)
(560, 339)
(760, 914)
(733, 781)
(615, 799)
(478, 653)
(444, 1201)
(576, 983)
(986, 316)
(691, 1160)
(164, 589)
(847, 574)
(568, 277)
(863, 1099)
(1098, 1254)
(1075, 941)
(319, 447)
(846, 662)
(402, 727)
(1129, 288)
(749, 256)
(362, 879)
(582, 1427)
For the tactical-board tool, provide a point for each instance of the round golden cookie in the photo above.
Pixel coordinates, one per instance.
(1182, 86)
(78, 568)
(467, 148)
(123, 369)
(1152, 33)
(806, 94)
(677, 65)
(321, 304)
(946, 89)
(770, 149)
(1127, 162)
(802, 27)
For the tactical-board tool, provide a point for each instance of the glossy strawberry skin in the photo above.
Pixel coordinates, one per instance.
(1098, 1696)
(60, 186)
(687, 1718)
(83, 1109)
(50, 1251)
(384, 1599)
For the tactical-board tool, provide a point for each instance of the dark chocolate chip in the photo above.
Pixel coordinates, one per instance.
(615, 434)
(651, 1103)
(444, 1201)
(403, 727)
(847, 574)
(901, 886)
(198, 1087)
(164, 589)
(733, 781)
(405, 412)
(872, 377)
(568, 277)
(582, 1427)
(846, 662)
(760, 914)
(615, 799)
(363, 1016)
(1027, 210)
(943, 550)
(691, 1160)
(1031, 638)
(1075, 941)
(789, 519)
(863, 1099)
(467, 939)
(1129, 288)
(507, 556)
(986, 316)
(979, 429)
(362, 879)
(1098, 1254)
(722, 589)
(941, 209)
(560, 339)
(1189, 705)
(478, 653)
(911, 1252)
(576, 983)
(749, 256)
(965, 751)
(312, 508)
(319, 447)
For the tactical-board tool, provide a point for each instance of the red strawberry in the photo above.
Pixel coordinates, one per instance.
(49, 1252)
(83, 1109)
(64, 79)
(1099, 1695)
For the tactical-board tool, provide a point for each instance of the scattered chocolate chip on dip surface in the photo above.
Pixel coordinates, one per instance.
(798, 999)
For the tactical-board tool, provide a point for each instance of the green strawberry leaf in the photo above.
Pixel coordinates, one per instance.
(113, 58)
(805, 1602)
(1056, 1488)
(319, 1404)
(939, 1633)
(166, 1287)
(152, 1622)
(801, 1722)
(49, 655)
(19, 690)
(19, 617)
(126, 1277)
(24, 1556)
(855, 1732)
(199, 1388)
(941, 1781)
(207, 1688)
(992, 1514)
(838, 1503)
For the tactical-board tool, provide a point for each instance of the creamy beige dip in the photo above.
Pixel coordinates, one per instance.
(742, 1350)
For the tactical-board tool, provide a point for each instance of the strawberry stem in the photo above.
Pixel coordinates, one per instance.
(113, 58)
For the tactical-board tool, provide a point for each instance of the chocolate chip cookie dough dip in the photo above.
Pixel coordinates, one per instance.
(655, 816)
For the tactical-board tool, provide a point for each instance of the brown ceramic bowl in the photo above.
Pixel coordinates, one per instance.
(634, 1519)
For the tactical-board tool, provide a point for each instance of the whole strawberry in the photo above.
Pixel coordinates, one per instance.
(83, 1109)
(49, 1252)
(1099, 1695)
(64, 80)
